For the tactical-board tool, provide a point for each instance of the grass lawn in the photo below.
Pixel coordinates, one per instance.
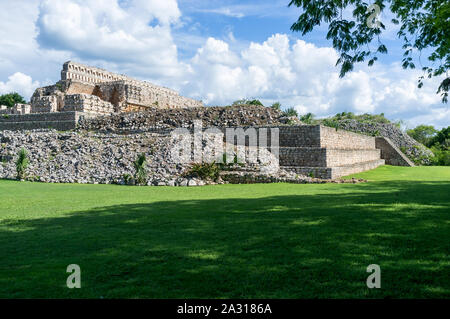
(230, 241)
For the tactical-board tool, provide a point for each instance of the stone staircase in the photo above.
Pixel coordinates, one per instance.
(325, 152)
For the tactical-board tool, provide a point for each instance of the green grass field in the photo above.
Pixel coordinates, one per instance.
(230, 241)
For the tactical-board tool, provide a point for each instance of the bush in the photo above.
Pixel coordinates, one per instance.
(205, 171)
(276, 106)
(331, 122)
(307, 118)
(247, 102)
(141, 171)
(441, 156)
(22, 164)
(290, 112)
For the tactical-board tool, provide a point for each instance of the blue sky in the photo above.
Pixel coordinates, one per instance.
(216, 51)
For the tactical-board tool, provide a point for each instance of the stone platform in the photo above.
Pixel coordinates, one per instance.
(61, 121)
(325, 152)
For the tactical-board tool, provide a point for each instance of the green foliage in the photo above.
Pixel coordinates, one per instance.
(22, 163)
(441, 156)
(11, 99)
(140, 169)
(308, 118)
(247, 102)
(331, 122)
(127, 178)
(422, 133)
(205, 171)
(440, 146)
(363, 118)
(290, 112)
(276, 106)
(424, 29)
(441, 138)
(59, 86)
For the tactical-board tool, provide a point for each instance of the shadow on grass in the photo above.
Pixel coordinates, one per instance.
(302, 246)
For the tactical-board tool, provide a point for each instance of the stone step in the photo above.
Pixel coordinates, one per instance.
(325, 157)
(324, 137)
(335, 172)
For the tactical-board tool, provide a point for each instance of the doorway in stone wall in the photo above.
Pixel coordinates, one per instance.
(115, 100)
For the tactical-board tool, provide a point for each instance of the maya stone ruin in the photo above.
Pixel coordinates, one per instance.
(92, 90)
(91, 125)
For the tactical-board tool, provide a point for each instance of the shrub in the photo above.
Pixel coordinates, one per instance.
(140, 169)
(331, 122)
(276, 106)
(290, 112)
(127, 179)
(205, 171)
(441, 156)
(247, 102)
(22, 164)
(307, 118)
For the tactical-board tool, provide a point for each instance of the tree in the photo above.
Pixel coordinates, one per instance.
(441, 138)
(422, 133)
(11, 99)
(424, 29)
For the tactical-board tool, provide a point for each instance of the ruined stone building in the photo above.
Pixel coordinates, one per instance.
(92, 90)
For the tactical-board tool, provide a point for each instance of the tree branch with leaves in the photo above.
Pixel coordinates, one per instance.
(424, 29)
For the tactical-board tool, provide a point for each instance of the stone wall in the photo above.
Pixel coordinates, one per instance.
(73, 87)
(391, 153)
(15, 110)
(61, 121)
(332, 138)
(87, 103)
(136, 93)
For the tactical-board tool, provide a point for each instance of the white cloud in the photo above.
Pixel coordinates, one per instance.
(226, 11)
(304, 76)
(20, 83)
(135, 37)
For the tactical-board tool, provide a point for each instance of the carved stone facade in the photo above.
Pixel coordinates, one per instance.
(127, 94)
(93, 90)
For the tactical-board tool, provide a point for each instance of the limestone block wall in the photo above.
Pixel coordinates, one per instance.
(16, 109)
(45, 104)
(332, 138)
(87, 103)
(391, 153)
(61, 121)
(73, 87)
(300, 136)
(136, 92)
(342, 157)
